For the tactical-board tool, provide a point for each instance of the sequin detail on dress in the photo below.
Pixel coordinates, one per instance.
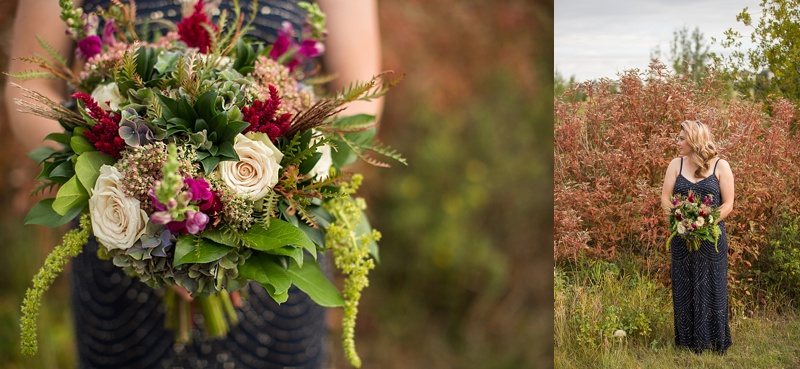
(700, 280)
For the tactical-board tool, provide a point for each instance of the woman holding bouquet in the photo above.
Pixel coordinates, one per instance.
(699, 278)
(119, 321)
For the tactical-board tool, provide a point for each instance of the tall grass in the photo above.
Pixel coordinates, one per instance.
(593, 300)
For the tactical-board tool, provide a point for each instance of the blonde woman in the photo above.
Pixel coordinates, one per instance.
(699, 278)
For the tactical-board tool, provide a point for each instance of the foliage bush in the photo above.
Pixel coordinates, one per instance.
(778, 270)
(596, 299)
(611, 153)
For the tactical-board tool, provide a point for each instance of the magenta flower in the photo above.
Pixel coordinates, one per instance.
(283, 42)
(89, 47)
(199, 188)
(108, 33)
(311, 48)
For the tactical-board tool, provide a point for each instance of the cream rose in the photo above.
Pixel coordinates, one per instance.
(257, 169)
(320, 170)
(700, 222)
(117, 220)
(107, 96)
(681, 228)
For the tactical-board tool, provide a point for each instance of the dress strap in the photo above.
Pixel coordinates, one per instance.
(681, 169)
(715, 167)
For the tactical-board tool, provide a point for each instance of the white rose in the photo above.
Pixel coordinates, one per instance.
(320, 170)
(681, 228)
(711, 219)
(117, 220)
(700, 222)
(257, 169)
(108, 94)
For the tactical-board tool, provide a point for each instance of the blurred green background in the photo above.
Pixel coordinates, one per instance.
(465, 277)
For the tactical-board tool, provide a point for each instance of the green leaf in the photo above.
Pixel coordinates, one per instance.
(166, 62)
(41, 154)
(279, 234)
(321, 216)
(80, 144)
(43, 214)
(266, 270)
(309, 279)
(87, 168)
(69, 196)
(210, 163)
(355, 122)
(364, 227)
(60, 137)
(65, 170)
(222, 237)
(295, 253)
(315, 234)
(192, 249)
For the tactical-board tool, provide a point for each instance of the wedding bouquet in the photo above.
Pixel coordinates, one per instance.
(202, 160)
(693, 219)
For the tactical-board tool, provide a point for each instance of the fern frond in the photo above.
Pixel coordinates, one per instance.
(31, 74)
(43, 185)
(52, 51)
(298, 157)
(376, 147)
(355, 90)
(307, 217)
(59, 71)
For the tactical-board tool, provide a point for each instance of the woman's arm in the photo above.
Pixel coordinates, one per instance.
(35, 18)
(726, 188)
(353, 47)
(669, 184)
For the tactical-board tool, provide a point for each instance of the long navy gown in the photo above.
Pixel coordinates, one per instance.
(700, 281)
(119, 321)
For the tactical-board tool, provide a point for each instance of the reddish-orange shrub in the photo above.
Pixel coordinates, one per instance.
(612, 150)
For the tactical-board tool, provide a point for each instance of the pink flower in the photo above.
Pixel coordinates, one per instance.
(195, 221)
(108, 33)
(311, 48)
(89, 47)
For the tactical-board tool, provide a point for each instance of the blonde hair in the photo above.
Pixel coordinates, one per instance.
(701, 140)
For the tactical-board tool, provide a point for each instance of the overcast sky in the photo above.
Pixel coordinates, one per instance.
(595, 38)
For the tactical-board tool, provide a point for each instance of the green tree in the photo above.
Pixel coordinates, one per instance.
(689, 53)
(561, 85)
(772, 65)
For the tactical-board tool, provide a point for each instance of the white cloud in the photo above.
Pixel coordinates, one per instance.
(596, 39)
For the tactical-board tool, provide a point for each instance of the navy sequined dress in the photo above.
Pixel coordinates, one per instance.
(700, 280)
(119, 321)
